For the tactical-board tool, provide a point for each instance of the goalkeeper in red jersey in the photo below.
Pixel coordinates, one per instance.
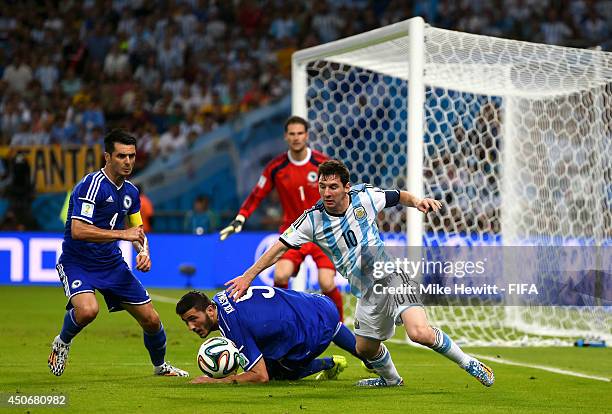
(294, 174)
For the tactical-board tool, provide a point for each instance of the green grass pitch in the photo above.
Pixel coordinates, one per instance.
(109, 372)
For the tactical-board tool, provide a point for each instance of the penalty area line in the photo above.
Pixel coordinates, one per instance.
(542, 367)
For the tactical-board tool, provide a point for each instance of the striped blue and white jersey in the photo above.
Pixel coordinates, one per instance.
(351, 240)
(97, 200)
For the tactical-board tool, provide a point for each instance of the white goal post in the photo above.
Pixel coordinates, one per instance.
(514, 137)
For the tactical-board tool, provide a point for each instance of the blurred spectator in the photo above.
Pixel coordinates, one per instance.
(172, 140)
(594, 27)
(554, 30)
(20, 193)
(17, 74)
(325, 23)
(93, 116)
(47, 74)
(200, 220)
(146, 210)
(94, 136)
(99, 43)
(147, 73)
(116, 61)
(71, 84)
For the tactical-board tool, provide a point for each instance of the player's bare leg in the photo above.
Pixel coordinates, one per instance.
(154, 339)
(283, 270)
(84, 311)
(329, 289)
(419, 331)
(379, 358)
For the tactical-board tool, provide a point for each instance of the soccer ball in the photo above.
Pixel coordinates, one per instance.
(218, 357)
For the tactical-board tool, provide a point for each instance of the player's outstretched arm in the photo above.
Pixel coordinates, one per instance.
(424, 205)
(257, 374)
(238, 286)
(90, 233)
(234, 227)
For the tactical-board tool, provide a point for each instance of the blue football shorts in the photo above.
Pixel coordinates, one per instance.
(118, 284)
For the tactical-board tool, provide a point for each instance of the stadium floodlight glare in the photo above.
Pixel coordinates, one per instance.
(514, 137)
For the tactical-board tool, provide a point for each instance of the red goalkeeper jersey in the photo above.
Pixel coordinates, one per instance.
(295, 181)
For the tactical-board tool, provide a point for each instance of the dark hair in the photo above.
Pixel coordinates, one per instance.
(296, 120)
(117, 135)
(193, 299)
(334, 167)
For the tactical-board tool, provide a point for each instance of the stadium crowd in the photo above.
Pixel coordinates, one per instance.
(171, 70)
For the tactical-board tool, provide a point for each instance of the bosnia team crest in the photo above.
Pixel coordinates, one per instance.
(127, 201)
(311, 177)
(360, 213)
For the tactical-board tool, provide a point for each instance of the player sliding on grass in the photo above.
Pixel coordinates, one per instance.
(343, 223)
(294, 174)
(91, 259)
(280, 333)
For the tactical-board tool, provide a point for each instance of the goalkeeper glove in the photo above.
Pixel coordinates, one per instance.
(234, 227)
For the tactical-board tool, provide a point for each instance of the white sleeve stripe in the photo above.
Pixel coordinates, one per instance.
(92, 191)
(81, 218)
(98, 182)
(253, 363)
(87, 199)
(92, 184)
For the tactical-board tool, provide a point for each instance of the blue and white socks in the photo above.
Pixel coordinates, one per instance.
(445, 346)
(383, 365)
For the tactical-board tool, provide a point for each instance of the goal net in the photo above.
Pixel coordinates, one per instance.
(513, 137)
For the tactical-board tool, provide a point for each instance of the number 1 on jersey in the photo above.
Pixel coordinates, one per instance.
(302, 194)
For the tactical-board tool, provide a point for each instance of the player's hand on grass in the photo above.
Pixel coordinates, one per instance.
(237, 287)
(234, 227)
(143, 262)
(428, 204)
(202, 380)
(134, 234)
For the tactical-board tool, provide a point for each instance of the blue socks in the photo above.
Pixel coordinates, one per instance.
(345, 339)
(316, 365)
(70, 328)
(156, 345)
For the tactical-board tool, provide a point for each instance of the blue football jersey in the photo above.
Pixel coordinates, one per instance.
(277, 324)
(97, 200)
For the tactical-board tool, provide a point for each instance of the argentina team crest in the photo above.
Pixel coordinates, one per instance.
(360, 213)
(127, 201)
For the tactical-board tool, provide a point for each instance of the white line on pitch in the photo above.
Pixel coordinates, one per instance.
(164, 299)
(542, 367)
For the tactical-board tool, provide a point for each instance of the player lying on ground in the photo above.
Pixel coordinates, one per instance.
(294, 175)
(91, 259)
(280, 333)
(344, 224)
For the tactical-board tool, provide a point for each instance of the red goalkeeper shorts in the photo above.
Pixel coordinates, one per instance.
(297, 256)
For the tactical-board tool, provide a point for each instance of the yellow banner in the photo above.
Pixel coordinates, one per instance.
(57, 169)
